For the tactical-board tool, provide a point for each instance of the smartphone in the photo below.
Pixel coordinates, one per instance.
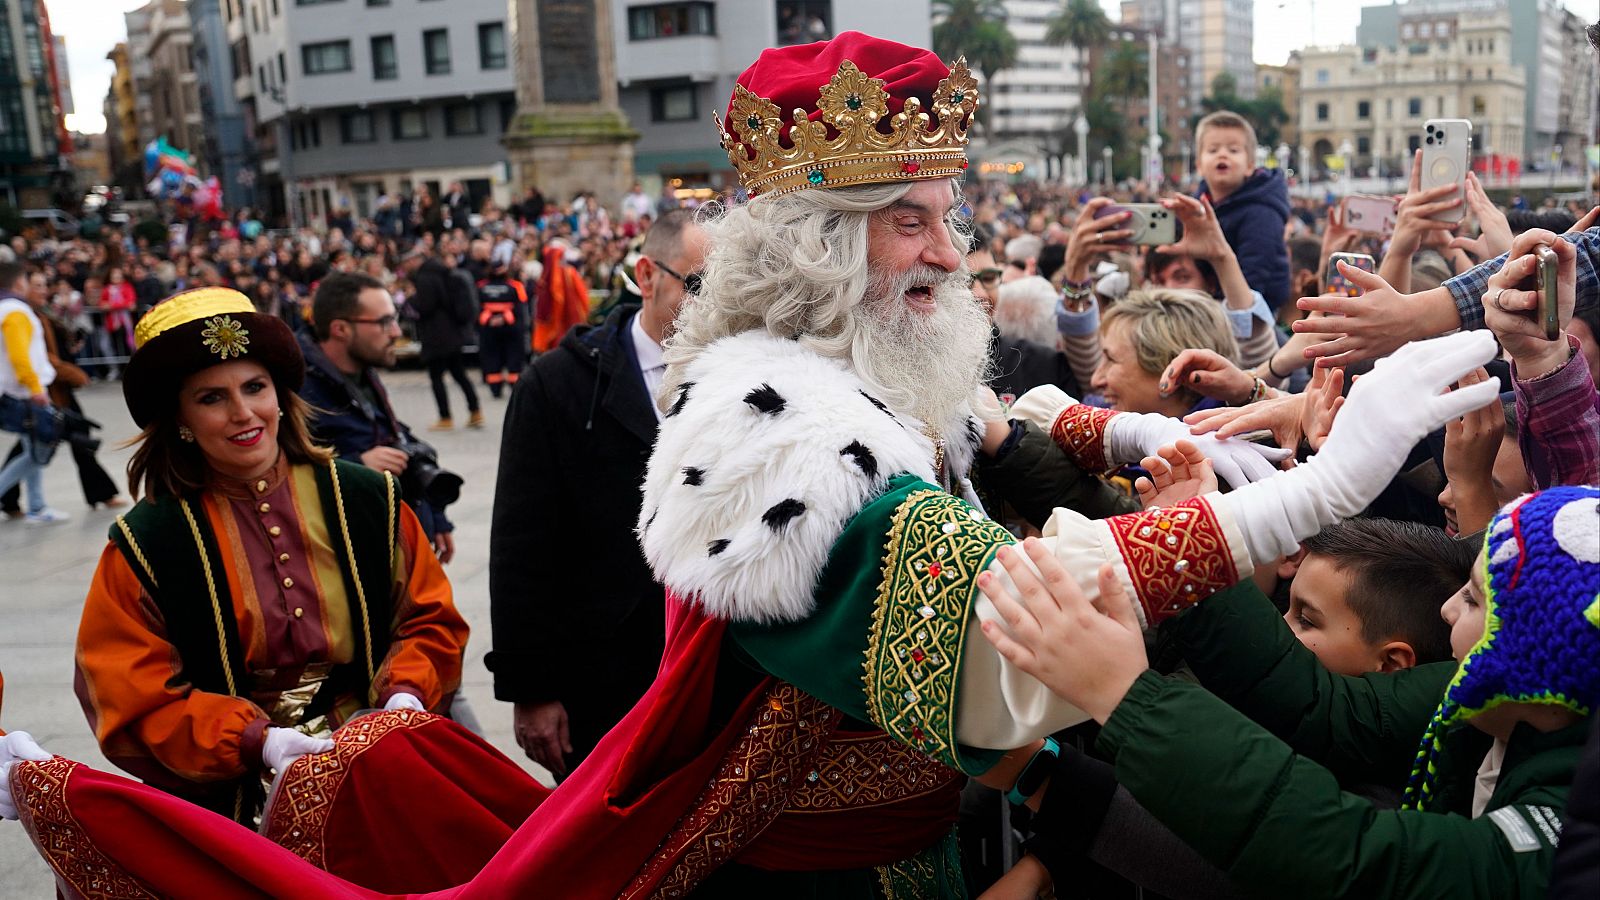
(1369, 213)
(1151, 224)
(1548, 296)
(1446, 157)
(1337, 283)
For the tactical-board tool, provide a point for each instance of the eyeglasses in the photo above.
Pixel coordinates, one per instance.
(987, 276)
(381, 321)
(691, 282)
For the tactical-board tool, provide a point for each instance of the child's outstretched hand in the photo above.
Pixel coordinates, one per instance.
(1088, 652)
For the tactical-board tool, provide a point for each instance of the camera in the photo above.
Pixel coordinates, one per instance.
(423, 479)
(76, 429)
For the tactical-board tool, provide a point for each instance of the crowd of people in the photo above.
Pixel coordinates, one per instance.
(866, 501)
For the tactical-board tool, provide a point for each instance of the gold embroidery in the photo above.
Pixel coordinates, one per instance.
(225, 336)
(40, 789)
(868, 770)
(1176, 556)
(752, 786)
(297, 816)
(935, 872)
(355, 579)
(937, 547)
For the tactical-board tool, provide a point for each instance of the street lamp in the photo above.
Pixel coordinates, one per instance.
(1555, 164)
(1155, 162)
(1186, 150)
(1105, 166)
(1284, 162)
(1345, 150)
(1081, 129)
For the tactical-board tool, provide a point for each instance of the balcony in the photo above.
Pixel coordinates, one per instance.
(696, 56)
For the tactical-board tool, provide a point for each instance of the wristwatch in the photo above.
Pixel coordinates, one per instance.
(1035, 772)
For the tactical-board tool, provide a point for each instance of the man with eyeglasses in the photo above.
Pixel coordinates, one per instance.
(355, 331)
(575, 646)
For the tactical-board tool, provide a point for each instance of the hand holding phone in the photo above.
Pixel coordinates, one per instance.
(1549, 312)
(1446, 158)
(1340, 285)
(1151, 224)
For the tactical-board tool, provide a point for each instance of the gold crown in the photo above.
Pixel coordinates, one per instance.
(852, 104)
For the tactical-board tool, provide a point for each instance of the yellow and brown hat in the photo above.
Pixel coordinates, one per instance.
(196, 330)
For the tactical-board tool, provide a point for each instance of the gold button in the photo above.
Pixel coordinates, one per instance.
(298, 612)
(288, 582)
(265, 507)
(274, 531)
(261, 486)
(283, 557)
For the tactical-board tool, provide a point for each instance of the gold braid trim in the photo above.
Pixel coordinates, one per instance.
(355, 576)
(216, 604)
(937, 547)
(41, 793)
(138, 552)
(391, 535)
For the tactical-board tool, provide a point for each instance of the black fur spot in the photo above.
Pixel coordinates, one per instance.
(694, 477)
(717, 546)
(878, 403)
(683, 397)
(782, 513)
(974, 436)
(766, 400)
(862, 457)
(652, 520)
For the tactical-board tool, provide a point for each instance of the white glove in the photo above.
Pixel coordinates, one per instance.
(1130, 437)
(285, 745)
(15, 747)
(1385, 415)
(403, 700)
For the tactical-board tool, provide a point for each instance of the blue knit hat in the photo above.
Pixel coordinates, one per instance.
(1541, 643)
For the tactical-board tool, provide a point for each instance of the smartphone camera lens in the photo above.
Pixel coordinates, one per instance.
(1430, 139)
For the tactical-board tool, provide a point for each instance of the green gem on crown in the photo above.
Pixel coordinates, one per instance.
(815, 176)
(853, 101)
(753, 123)
(958, 97)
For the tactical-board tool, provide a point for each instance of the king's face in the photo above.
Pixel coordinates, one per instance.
(911, 233)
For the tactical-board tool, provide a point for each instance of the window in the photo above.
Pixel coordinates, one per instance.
(1363, 146)
(283, 71)
(492, 45)
(377, 2)
(664, 20)
(1478, 106)
(326, 57)
(1322, 112)
(1413, 143)
(1322, 76)
(357, 127)
(462, 118)
(409, 123)
(384, 64)
(1414, 107)
(1363, 109)
(436, 51)
(673, 103)
(804, 21)
(1388, 108)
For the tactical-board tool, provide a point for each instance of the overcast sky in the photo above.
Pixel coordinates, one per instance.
(93, 27)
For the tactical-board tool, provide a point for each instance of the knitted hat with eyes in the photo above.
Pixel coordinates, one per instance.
(1541, 639)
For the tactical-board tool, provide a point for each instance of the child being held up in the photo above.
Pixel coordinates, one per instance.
(1252, 204)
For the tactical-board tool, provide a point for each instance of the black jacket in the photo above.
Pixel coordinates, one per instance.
(351, 425)
(1577, 869)
(1252, 219)
(438, 325)
(576, 613)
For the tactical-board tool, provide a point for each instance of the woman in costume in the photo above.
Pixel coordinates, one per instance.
(261, 592)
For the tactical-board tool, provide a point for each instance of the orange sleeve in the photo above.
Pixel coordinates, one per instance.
(144, 715)
(429, 636)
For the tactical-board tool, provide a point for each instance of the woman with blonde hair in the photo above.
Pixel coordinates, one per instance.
(1144, 332)
(261, 592)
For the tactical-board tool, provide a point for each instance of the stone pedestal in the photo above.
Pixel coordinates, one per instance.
(569, 135)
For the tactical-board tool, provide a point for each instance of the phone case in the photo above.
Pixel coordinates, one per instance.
(1151, 223)
(1369, 214)
(1549, 298)
(1446, 155)
(1337, 283)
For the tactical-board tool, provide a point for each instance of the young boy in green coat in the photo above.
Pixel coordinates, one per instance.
(1261, 799)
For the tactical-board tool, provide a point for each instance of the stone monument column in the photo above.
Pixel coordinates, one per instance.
(569, 134)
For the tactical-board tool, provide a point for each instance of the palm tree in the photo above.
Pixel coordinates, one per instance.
(977, 30)
(1124, 74)
(1080, 24)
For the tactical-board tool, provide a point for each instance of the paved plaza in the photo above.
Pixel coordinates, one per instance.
(45, 572)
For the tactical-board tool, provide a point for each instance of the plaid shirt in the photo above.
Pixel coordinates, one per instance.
(1468, 288)
(1558, 416)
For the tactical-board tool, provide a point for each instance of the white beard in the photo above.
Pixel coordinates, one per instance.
(928, 364)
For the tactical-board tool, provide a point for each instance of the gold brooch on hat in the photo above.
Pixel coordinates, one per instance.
(225, 336)
(852, 104)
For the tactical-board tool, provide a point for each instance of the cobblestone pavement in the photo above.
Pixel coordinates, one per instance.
(45, 571)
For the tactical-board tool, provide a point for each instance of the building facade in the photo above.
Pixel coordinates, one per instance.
(1173, 110)
(34, 167)
(1545, 43)
(174, 86)
(677, 62)
(123, 150)
(1038, 98)
(1285, 79)
(1219, 35)
(1378, 98)
(224, 150)
(344, 101)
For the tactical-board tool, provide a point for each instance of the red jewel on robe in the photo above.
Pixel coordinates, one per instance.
(916, 734)
(934, 569)
(917, 655)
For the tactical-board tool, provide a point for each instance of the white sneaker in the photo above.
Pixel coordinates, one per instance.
(47, 516)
